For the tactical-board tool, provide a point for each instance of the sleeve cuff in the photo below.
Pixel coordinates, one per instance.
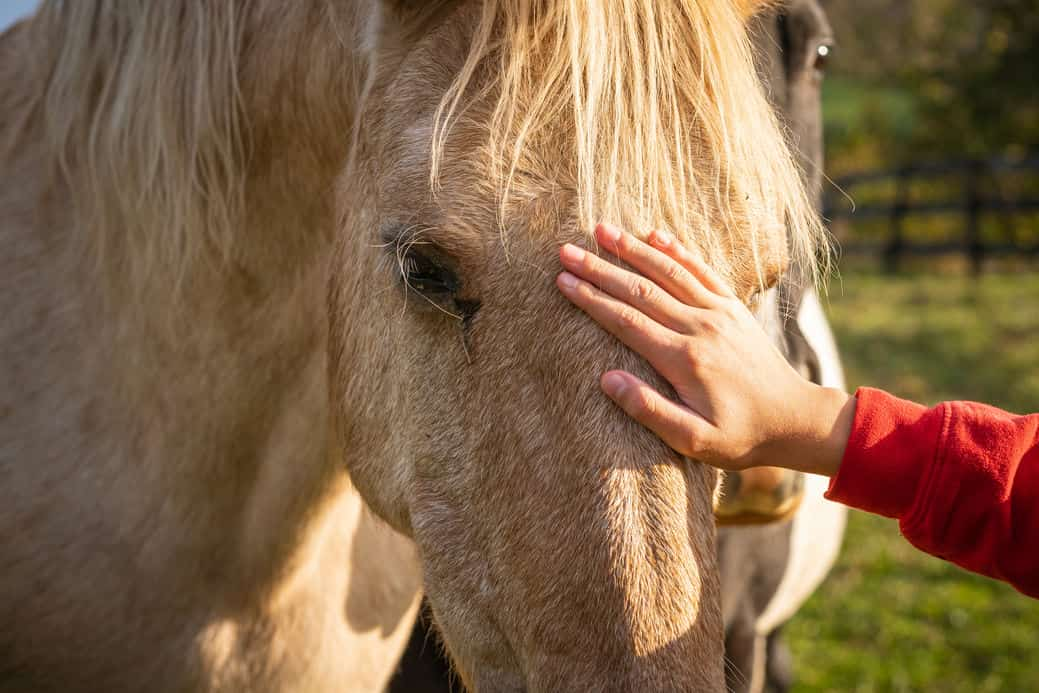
(892, 442)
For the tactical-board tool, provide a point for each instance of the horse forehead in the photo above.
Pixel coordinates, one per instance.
(417, 137)
(406, 151)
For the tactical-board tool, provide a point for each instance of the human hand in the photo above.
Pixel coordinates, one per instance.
(741, 404)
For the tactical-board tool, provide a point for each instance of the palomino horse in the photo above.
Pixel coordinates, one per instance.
(281, 342)
(768, 567)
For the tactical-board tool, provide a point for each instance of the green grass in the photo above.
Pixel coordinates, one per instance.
(850, 105)
(890, 618)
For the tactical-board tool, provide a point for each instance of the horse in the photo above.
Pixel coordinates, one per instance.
(281, 349)
(768, 568)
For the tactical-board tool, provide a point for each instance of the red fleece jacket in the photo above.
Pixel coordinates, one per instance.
(962, 479)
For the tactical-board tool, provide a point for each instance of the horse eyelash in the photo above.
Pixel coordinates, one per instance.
(404, 240)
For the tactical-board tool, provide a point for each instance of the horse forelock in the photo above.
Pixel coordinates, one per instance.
(663, 117)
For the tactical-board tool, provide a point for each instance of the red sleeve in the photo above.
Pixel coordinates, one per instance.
(962, 479)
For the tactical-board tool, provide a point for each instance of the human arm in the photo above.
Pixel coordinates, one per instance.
(961, 478)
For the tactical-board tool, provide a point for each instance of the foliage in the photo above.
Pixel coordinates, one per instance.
(931, 79)
(890, 618)
(978, 84)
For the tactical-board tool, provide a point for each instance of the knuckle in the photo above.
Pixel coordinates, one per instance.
(629, 319)
(641, 290)
(642, 404)
(675, 273)
(688, 353)
(694, 445)
(704, 361)
(708, 370)
(709, 324)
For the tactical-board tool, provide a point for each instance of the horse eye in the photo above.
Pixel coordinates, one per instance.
(427, 271)
(427, 276)
(822, 56)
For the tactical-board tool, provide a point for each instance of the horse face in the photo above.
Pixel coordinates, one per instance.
(563, 546)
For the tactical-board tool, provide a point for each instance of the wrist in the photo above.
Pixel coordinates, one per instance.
(828, 417)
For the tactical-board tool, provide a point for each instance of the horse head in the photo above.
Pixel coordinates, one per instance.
(563, 547)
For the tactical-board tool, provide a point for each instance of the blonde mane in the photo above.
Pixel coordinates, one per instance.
(670, 126)
(141, 108)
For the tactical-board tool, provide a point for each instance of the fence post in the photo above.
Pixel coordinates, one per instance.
(896, 244)
(972, 229)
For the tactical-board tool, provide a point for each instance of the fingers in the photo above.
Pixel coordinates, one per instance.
(693, 262)
(680, 428)
(638, 332)
(633, 289)
(656, 266)
(668, 263)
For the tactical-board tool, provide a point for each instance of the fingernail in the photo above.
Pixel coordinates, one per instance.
(612, 233)
(661, 239)
(568, 280)
(614, 384)
(572, 253)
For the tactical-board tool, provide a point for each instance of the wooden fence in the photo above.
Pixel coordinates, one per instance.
(996, 199)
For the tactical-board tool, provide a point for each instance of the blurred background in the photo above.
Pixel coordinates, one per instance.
(932, 120)
(931, 112)
(11, 10)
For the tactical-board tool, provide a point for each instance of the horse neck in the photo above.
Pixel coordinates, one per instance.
(211, 377)
(251, 339)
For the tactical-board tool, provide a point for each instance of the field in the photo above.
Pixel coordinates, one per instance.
(890, 618)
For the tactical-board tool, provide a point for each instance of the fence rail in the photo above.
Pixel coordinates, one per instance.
(979, 189)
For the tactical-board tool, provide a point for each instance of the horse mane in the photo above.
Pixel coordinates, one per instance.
(141, 110)
(670, 124)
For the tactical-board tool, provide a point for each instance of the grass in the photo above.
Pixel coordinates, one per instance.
(890, 618)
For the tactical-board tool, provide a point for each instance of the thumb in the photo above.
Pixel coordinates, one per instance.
(681, 428)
